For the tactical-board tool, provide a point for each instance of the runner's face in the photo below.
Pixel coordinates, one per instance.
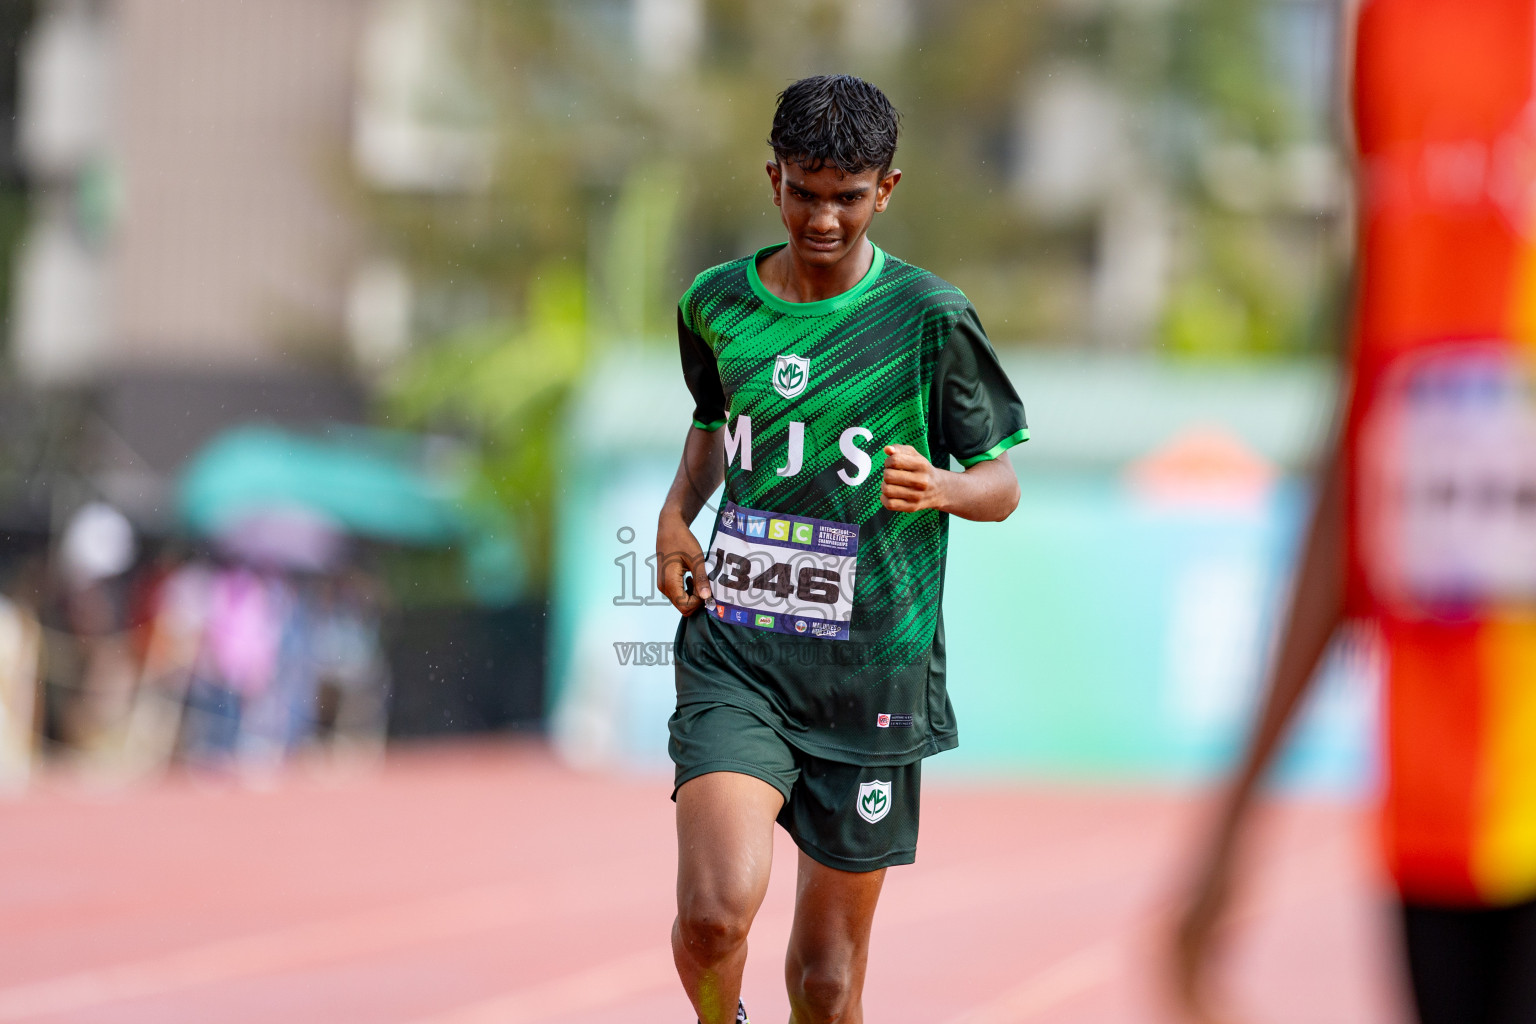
(827, 212)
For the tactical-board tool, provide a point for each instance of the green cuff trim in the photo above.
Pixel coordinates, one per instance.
(1017, 437)
(709, 427)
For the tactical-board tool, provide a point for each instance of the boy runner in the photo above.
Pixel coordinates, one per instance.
(832, 383)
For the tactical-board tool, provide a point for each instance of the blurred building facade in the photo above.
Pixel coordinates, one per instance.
(188, 242)
(190, 192)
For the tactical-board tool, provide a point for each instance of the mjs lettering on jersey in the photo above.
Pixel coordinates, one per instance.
(738, 449)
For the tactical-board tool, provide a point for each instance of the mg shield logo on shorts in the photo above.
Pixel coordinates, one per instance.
(874, 800)
(790, 375)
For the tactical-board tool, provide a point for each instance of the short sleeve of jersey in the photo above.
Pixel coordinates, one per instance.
(979, 415)
(702, 375)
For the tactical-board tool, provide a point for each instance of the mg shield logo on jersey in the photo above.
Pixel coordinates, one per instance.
(790, 375)
(874, 800)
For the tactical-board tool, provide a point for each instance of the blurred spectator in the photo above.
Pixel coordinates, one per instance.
(177, 620)
(283, 662)
(350, 665)
(20, 663)
(221, 663)
(91, 660)
(246, 614)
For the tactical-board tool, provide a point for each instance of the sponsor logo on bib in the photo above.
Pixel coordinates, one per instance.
(874, 800)
(790, 375)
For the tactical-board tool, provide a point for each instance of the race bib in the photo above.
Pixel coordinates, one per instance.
(788, 574)
(1448, 483)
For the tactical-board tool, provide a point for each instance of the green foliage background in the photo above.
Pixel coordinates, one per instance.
(614, 185)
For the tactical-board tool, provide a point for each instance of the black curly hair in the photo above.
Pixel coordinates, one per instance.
(838, 120)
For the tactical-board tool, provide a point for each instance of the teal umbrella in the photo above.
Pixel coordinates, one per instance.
(357, 481)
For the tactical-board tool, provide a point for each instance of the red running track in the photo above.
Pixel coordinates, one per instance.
(486, 883)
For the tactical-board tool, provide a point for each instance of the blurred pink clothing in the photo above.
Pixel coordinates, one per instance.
(245, 625)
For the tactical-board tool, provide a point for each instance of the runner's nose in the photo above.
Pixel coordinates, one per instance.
(824, 220)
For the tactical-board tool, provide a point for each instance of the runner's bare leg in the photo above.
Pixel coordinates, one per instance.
(724, 855)
(829, 945)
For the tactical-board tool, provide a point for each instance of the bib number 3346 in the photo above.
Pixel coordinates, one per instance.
(789, 574)
(811, 585)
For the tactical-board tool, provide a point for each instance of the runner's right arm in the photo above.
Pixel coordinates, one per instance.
(698, 474)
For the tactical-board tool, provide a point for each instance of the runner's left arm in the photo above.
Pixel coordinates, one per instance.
(986, 492)
(977, 417)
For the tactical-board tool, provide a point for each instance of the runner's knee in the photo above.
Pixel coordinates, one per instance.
(711, 929)
(822, 992)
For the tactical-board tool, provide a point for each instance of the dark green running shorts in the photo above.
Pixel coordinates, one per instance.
(845, 816)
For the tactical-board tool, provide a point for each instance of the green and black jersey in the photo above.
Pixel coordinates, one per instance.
(827, 621)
